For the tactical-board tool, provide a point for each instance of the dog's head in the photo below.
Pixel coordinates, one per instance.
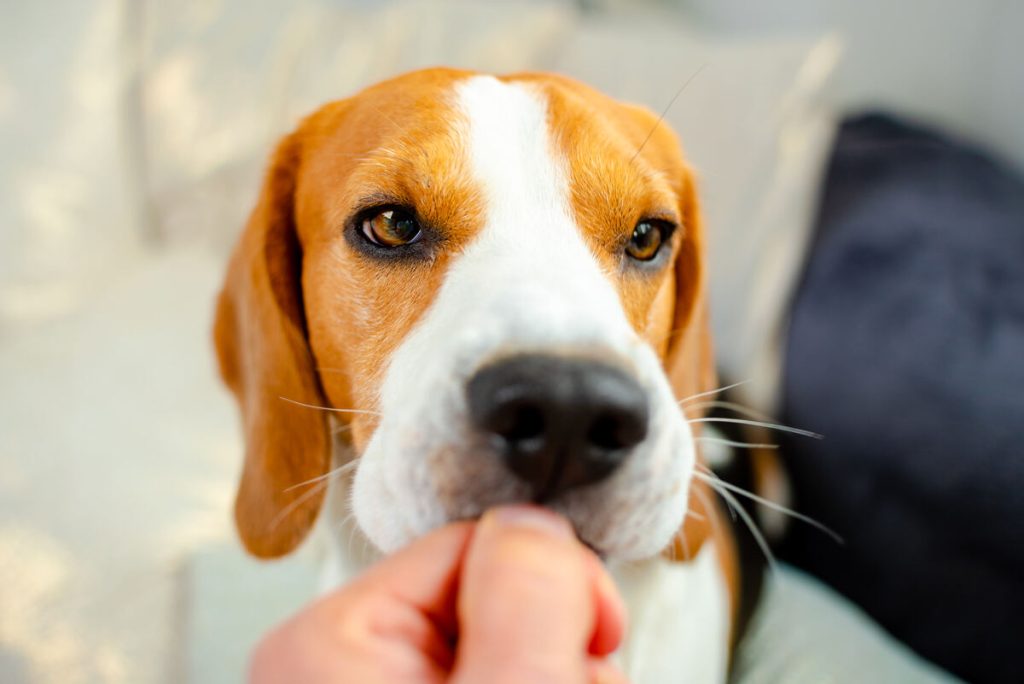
(498, 284)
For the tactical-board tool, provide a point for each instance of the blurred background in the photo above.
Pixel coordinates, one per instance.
(866, 281)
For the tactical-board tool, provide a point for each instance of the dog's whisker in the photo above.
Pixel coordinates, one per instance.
(298, 501)
(758, 423)
(747, 520)
(354, 530)
(685, 543)
(336, 472)
(713, 391)
(331, 408)
(690, 513)
(673, 548)
(679, 543)
(709, 508)
(345, 519)
(667, 337)
(394, 123)
(349, 520)
(319, 483)
(351, 537)
(734, 443)
(733, 406)
(708, 476)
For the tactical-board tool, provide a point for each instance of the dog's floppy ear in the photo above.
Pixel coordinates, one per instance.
(265, 359)
(690, 361)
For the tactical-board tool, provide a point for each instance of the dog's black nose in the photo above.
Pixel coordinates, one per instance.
(558, 422)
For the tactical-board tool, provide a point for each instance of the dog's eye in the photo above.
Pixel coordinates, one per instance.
(647, 239)
(391, 228)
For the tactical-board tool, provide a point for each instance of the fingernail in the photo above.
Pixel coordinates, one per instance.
(533, 517)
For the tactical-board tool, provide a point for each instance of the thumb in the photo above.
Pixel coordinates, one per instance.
(526, 607)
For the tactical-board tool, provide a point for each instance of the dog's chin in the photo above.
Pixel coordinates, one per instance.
(633, 516)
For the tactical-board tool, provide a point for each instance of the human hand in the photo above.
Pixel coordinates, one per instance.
(513, 598)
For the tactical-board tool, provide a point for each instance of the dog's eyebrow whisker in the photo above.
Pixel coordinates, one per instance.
(713, 391)
(747, 520)
(423, 151)
(708, 476)
(331, 408)
(665, 112)
(733, 443)
(758, 423)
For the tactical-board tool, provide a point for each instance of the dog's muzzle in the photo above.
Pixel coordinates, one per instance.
(558, 422)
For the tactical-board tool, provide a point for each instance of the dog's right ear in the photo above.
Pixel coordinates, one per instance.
(261, 341)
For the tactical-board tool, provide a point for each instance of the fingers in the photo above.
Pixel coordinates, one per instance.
(526, 600)
(532, 602)
(610, 623)
(424, 575)
(393, 623)
(601, 671)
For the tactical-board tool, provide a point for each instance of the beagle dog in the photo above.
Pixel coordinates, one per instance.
(485, 290)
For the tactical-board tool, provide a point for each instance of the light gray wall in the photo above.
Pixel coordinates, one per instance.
(957, 63)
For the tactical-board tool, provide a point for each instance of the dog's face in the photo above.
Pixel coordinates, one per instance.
(498, 282)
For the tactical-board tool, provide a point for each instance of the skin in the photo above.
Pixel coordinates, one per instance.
(512, 598)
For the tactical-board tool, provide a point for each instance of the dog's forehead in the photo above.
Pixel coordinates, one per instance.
(416, 140)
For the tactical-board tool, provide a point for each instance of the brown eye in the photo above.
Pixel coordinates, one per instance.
(391, 228)
(648, 236)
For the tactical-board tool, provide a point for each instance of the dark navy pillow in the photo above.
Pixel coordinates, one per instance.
(906, 350)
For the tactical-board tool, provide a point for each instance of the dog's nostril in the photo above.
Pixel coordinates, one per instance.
(610, 432)
(522, 423)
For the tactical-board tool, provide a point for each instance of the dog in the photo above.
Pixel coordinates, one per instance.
(481, 290)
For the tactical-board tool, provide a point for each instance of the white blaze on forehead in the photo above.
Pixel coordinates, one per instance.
(512, 155)
(530, 256)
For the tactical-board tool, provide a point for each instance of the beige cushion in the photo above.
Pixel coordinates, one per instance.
(222, 85)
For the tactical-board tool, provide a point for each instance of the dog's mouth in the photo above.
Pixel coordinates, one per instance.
(579, 536)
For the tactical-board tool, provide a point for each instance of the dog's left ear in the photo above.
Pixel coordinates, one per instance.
(260, 336)
(690, 362)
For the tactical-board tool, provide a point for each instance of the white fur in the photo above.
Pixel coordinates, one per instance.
(679, 620)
